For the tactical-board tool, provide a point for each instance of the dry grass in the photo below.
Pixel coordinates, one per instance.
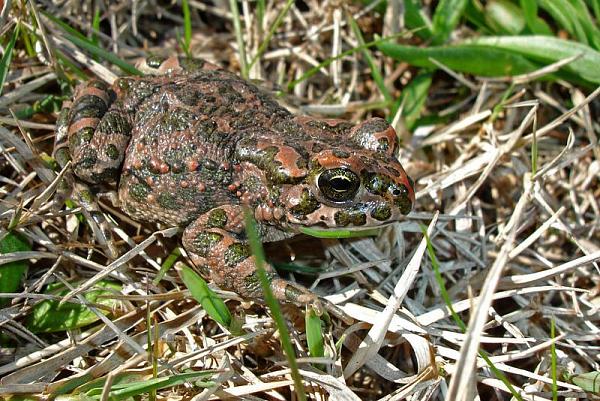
(517, 243)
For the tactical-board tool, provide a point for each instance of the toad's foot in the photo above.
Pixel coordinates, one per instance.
(216, 243)
(96, 219)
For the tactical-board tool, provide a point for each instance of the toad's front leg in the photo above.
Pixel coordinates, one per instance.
(216, 243)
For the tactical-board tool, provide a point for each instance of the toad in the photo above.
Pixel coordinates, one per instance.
(192, 144)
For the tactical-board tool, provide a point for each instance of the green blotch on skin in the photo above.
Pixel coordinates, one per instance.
(344, 217)
(112, 152)
(176, 158)
(377, 184)
(108, 174)
(155, 61)
(266, 160)
(191, 64)
(360, 219)
(338, 128)
(80, 138)
(253, 184)
(205, 241)
(217, 218)
(381, 213)
(179, 119)
(308, 204)
(252, 285)
(370, 127)
(384, 145)
(167, 201)
(236, 253)
(140, 90)
(403, 203)
(114, 123)
(88, 106)
(124, 83)
(98, 85)
(89, 159)
(139, 192)
(189, 194)
(292, 293)
(342, 154)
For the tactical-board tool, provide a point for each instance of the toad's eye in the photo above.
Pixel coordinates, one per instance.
(338, 184)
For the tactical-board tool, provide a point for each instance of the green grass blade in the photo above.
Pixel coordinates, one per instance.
(500, 106)
(475, 15)
(64, 26)
(314, 333)
(127, 390)
(445, 19)
(12, 273)
(553, 361)
(95, 27)
(470, 58)
(103, 54)
(372, 232)
(290, 86)
(548, 50)
(265, 43)
(167, 264)
(505, 17)
(50, 316)
(413, 98)
(68, 65)
(589, 25)
(47, 104)
(187, 28)
(446, 297)
(535, 24)
(595, 5)
(589, 381)
(237, 26)
(284, 335)
(440, 281)
(153, 339)
(375, 73)
(299, 269)
(80, 40)
(260, 13)
(29, 38)
(210, 301)
(505, 55)
(534, 149)
(84, 385)
(414, 18)
(566, 16)
(5, 62)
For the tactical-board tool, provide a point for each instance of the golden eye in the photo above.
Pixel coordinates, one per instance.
(338, 184)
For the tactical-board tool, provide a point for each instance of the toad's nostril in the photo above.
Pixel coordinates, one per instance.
(396, 192)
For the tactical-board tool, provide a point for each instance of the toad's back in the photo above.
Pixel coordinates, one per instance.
(178, 163)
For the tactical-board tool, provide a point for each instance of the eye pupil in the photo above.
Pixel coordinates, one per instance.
(339, 184)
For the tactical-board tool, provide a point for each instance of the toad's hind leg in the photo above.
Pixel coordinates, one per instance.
(216, 243)
(98, 133)
(75, 129)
